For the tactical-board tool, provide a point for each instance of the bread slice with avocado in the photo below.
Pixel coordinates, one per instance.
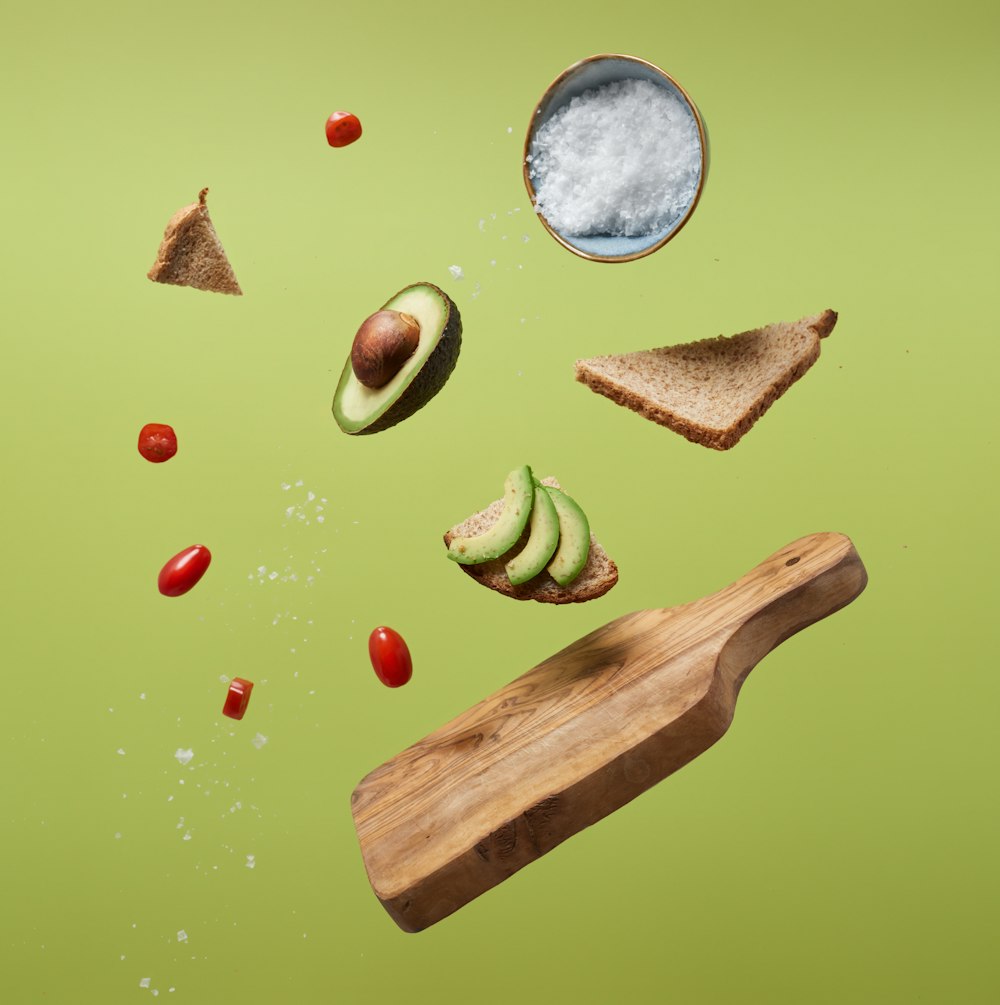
(712, 391)
(597, 575)
(191, 253)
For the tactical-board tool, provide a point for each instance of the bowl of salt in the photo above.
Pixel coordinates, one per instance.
(615, 158)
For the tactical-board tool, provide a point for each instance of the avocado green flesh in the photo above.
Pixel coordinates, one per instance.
(543, 537)
(360, 409)
(518, 496)
(574, 538)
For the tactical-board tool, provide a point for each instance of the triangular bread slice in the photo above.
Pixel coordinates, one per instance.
(713, 391)
(191, 253)
(594, 580)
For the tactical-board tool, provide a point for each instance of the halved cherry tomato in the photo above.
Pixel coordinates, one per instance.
(184, 570)
(157, 442)
(237, 698)
(390, 657)
(342, 129)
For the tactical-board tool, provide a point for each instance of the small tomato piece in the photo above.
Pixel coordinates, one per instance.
(342, 129)
(390, 657)
(157, 442)
(184, 570)
(237, 698)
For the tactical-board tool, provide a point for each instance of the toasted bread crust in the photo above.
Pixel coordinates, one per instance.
(191, 253)
(667, 404)
(595, 579)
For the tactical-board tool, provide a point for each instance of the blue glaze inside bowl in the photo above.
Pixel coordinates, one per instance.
(586, 77)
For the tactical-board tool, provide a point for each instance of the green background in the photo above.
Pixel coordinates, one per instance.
(839, 844)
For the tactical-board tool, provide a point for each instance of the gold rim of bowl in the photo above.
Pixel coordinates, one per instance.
(702, 140)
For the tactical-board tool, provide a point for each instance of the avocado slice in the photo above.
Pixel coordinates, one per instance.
(361, 410)
(574, 538)
(518, 496)
(543, 536)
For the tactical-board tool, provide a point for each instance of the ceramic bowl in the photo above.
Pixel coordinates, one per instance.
(596, 71)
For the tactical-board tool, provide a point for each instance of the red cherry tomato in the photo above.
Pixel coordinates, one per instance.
(237, 698)
(157, 442)
(390, 657)
(184, 570)
(342, 129)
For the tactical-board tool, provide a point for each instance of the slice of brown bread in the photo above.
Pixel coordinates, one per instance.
(594, 580)
(191, 253)
(713, 391)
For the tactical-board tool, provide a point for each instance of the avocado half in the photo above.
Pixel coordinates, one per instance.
(359, 409)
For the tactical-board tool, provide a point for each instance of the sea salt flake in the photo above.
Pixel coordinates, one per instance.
(144, 982)
(456, 271)
(259, 740)
(182, 936)
(251, 861)
(184, 756)
(121, 751)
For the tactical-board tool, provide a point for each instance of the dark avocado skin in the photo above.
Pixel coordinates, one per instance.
(433, 375)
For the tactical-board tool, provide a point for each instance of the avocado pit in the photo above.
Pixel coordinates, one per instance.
(384, 342)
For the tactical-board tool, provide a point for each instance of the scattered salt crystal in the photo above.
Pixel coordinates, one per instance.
(259, 740)
(310, 496)
(144, 982)
(251, 861)
(299, 483)
(320, 519)
(142, 697)
(456, 271)
(510, 129)
(155, 992)
(182, 936)
(272, 576)
(525, 238)
(121, 751)
(118, 836)
(482, 224)
(184, 756)
(223, 679)
(285, 486)
(623, 159)
(493, 261)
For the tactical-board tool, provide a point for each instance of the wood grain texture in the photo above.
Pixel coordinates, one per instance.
(581, 734)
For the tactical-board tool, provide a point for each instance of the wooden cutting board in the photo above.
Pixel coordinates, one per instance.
(581, 734)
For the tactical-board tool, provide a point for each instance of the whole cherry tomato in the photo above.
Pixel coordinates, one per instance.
(237, 698)
(157, 442)
(390, 657)
(342, 129)
(184, 570)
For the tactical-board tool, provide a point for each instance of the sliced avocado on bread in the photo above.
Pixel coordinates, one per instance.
(574, 538)
(191, 253)
(504, 533)
(401, 357)
(543, 536)
(528, 570)
(713, 391)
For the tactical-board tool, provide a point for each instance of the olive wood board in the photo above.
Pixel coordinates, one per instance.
(581, 734)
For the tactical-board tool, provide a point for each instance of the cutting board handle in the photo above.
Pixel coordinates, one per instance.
(797, 586)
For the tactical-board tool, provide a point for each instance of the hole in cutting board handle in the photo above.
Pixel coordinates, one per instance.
(792, 561)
